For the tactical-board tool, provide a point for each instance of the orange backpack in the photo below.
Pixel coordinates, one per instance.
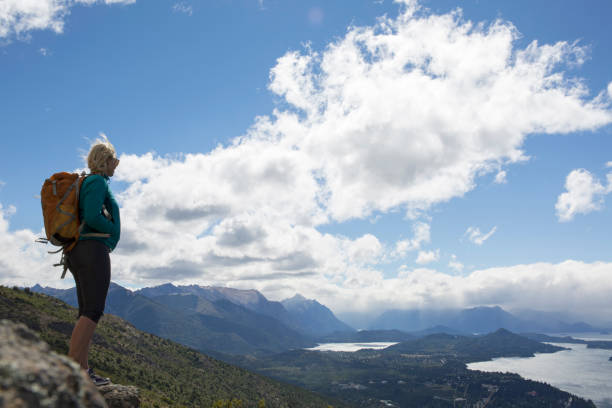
(59, 197)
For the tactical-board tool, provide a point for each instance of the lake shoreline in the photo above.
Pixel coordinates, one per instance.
(579, 370)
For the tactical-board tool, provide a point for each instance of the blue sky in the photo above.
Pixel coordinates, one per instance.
(282, 145)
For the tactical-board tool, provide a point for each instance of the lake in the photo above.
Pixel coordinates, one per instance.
(350, 346)
(580, 371)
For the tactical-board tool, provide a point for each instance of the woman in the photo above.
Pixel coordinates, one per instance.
(89, 260)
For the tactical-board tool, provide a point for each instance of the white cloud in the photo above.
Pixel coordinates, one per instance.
(410, 112)
(19, 17)
(609, 164)
(24, 260)
(584, 194)
(426, 257)
(578, 288)
(365, 250)
(455, 265)
(581, 289)
(477, 237)
(500, 177)
(182, 8)
(44, 52)
(421, 235)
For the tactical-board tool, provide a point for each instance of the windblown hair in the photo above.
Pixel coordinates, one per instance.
(101, 150)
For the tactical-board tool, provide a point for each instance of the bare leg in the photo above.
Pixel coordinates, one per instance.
(80, 340)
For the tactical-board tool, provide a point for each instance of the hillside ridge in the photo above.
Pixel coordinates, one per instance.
(167, 373)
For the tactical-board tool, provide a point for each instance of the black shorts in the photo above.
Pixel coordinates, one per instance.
(89, 262)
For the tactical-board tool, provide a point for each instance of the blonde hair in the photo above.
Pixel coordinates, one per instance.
(101, 150)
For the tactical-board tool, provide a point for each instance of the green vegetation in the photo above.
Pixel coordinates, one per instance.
(599, 344)
(428, 372)
(166, 373)
(596, 344)
(501, 343)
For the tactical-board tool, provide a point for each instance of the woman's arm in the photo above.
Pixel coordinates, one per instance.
(114, 211)
(92, 199)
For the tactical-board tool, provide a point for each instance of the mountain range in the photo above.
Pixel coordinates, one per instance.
(214, 319)
(221, 320)
(482, 319)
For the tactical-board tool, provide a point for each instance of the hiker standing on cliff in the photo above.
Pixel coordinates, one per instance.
(89, 260)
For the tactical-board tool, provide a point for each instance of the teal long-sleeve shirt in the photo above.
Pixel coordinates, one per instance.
(94, 194)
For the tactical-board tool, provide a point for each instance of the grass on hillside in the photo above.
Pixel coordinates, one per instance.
(167, 374)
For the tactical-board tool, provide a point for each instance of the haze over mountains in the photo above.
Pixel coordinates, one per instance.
(234, 321)
(479, 320)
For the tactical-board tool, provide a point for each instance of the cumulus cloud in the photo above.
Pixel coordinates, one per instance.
(477, 237)
(24, 261)
(18, 17)
(455, 265)
(426, 257)
(421, 235)
(584, 194)
(500, 177)
(576, 287)
(409, 112)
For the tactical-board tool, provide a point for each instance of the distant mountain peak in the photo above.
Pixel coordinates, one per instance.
(296, 298)
(166, 286)
(314, 316)
(503, 331)
(300, 301)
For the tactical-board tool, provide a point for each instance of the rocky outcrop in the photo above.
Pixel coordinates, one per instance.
(32, 375)
(120, 396)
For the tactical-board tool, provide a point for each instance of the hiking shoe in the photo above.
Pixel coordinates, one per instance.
(96, 379)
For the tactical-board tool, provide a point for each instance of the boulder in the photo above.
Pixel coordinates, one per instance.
(32, 375)
(120, 396)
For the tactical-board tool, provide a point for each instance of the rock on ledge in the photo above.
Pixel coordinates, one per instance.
(120, 396)
(31, 374)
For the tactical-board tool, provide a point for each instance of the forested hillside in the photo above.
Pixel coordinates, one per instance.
(168, 374)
